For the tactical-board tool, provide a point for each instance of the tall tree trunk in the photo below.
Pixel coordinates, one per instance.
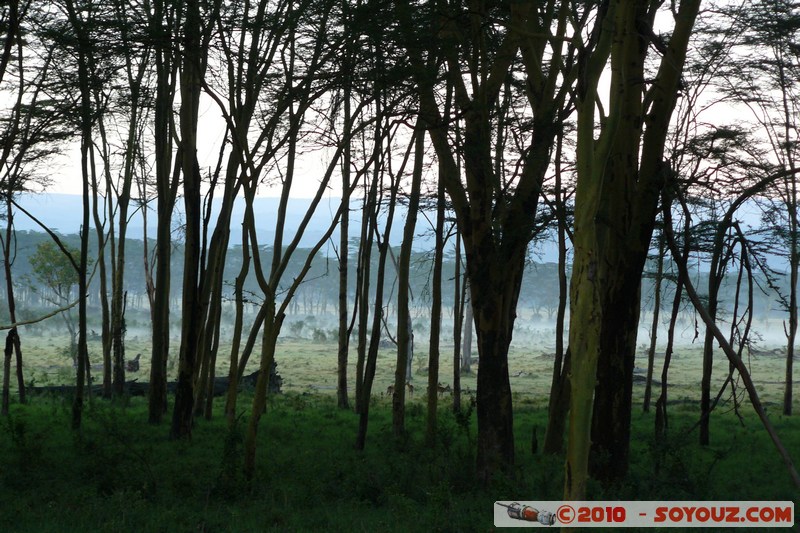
(344, 234)
(404, 330)
(166, 184)
(459, 296)
(191, 76)
(272, 325)
(100, 232)
(375, 335)
(12, 304)
(661, 420)
(363, 272)
(84, 51)
(233, 373)
(651, 353)
(431, 424)
(558, 404)
(794, 268)
(620, 175)
(118, 294)
(371, 359)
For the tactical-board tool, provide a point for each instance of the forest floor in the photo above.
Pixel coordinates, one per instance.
(120, 474)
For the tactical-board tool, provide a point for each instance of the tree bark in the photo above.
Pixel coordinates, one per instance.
(344, 235)
(191, 75)
(558, 403)
(84, 83)
(166, 185)
(620, 176)
(431, 424)
(404, 328)
(651, 353)
(12, 304)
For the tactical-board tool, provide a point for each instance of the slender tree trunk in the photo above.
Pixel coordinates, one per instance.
(101, 262)
(368, 218)
(166, 185)
(436, 324)
(377, 318)
(344, 234)
(469, 322)
(233, 373)
(661, 418)
(118, 303)
(404, 330)
(7, 353)
(651, 353)
(794, 267)
(374, 343)
(12, 304)
(558, 404)
(459, 298)
(84, 83)
(272, 325)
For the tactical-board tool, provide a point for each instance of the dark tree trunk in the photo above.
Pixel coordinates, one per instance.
(611, 422)
(436, 323)
(166, 185)
(459, 297)
(8, 352)
(370, 363)
(10, 297)
(183, 412)
(494, 284)
(84, 83)
(344, 229)
(233, 373)
(405, 336)
(558, 403)
(374, 343)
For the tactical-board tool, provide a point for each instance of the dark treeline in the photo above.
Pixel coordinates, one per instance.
(318, 296)
(495, 121)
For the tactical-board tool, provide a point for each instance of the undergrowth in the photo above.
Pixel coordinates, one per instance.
(119, 473)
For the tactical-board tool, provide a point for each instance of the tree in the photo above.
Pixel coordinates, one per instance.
(619, 177)
(85, 49)
(55, 268)
(404, 328)
(32, 132)
(436, 323)
(764, 79)
(518, 59)
(193, 66)
(162, 23)
(558, 403)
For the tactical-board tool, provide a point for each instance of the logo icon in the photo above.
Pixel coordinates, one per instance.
(527, 513)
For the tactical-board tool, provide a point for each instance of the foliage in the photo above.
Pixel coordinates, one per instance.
(54, 268)
(120, 473)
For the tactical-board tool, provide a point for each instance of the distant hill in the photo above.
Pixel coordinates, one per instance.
(63, 212)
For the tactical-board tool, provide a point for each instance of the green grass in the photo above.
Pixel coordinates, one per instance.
(121, 474)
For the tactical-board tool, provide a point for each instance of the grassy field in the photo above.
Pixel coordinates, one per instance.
(121, 474)
(308, 366)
